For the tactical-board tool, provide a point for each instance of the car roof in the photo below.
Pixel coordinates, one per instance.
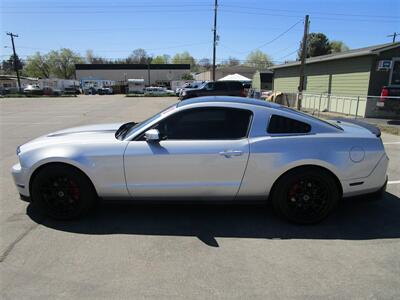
(260, 103)
(229, 99)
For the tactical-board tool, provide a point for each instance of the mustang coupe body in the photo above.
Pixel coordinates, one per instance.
(220, 148)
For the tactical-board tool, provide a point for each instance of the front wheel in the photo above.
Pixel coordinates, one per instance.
(306, 195)
(62, 192)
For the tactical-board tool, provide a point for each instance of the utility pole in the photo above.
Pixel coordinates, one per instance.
(303, 62)
(215, 38)
(16, 64)
(148, 70)
(394, 36)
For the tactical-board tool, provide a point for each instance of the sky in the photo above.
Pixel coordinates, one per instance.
(113, 28)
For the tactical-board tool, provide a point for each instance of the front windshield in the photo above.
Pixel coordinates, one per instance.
(140, 125)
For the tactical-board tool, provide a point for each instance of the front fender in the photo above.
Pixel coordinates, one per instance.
(102, 164)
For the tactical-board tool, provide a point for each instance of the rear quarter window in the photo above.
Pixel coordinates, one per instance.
(282, 125)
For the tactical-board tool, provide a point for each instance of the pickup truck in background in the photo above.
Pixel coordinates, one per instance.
(389, 99)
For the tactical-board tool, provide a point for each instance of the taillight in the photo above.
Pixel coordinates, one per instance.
(242, 92)
(384, 94)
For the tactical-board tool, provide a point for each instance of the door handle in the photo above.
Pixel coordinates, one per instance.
(229, 153)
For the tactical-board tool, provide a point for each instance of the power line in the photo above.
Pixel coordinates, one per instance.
(95, 12)
(114, 5)
(293, 52)
(309, 12)
(279, 35)
(394, 36)
(116, 51)
(272, 40)
(322, 17)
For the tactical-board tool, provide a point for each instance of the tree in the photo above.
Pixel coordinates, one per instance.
(185, 58)
(205, 63)
(161, 59)
(7, 65)
(138, 56)
(93, 59)
(62, 63)
(338, 46)
(232, 61)
(258, 59)
(317, 44)
(187, 76)
(38, 66)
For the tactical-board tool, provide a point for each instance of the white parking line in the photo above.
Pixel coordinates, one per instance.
(394, 182)
(392, 143)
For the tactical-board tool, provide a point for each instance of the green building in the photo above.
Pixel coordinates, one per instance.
(262, 80)
(344, 82)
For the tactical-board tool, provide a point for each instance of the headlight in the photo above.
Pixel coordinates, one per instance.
(184, 93)
(18, 150)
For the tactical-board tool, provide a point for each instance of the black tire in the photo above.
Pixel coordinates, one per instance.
(62, 192)
(305, 195)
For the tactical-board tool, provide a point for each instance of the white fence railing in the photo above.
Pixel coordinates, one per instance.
(348, 105)
(357, 106)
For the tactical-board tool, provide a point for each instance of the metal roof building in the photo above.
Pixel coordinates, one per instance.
(153, 74)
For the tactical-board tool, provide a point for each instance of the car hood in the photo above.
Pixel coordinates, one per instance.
(88, 129)
(192, 89)
(77, 135)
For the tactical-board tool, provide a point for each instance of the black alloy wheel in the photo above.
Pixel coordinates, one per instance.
(62, 192)
(305, 195)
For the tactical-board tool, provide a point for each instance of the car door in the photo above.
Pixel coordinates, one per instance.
(221, 88)
(203, 154)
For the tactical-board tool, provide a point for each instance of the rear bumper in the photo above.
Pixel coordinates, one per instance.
(389, 104)
(370, 184)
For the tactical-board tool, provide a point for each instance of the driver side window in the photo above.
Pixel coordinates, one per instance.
(206, 124)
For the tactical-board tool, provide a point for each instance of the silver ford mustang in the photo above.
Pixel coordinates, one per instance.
(220, 148)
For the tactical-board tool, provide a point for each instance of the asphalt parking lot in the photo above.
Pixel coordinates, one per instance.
(185, 252)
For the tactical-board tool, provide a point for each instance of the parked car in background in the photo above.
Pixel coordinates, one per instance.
(105, 91)
(389, 99)
(33, 89)
(9, 90)
(71, 90)
(215, 88)
(90, 91)
(189, 85)
(170, 92)
(49, 91)
(210, 148)
(158, 91)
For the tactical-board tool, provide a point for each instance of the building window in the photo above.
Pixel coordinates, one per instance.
(395, 74)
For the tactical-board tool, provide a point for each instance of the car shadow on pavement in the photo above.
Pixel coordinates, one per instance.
(355, 219)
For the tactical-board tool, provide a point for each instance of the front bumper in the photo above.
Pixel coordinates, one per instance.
(20, 176)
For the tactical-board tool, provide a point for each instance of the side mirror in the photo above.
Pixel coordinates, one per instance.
(152, 135)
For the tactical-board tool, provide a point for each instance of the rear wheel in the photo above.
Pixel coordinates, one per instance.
(306, 195)
(62, 192)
